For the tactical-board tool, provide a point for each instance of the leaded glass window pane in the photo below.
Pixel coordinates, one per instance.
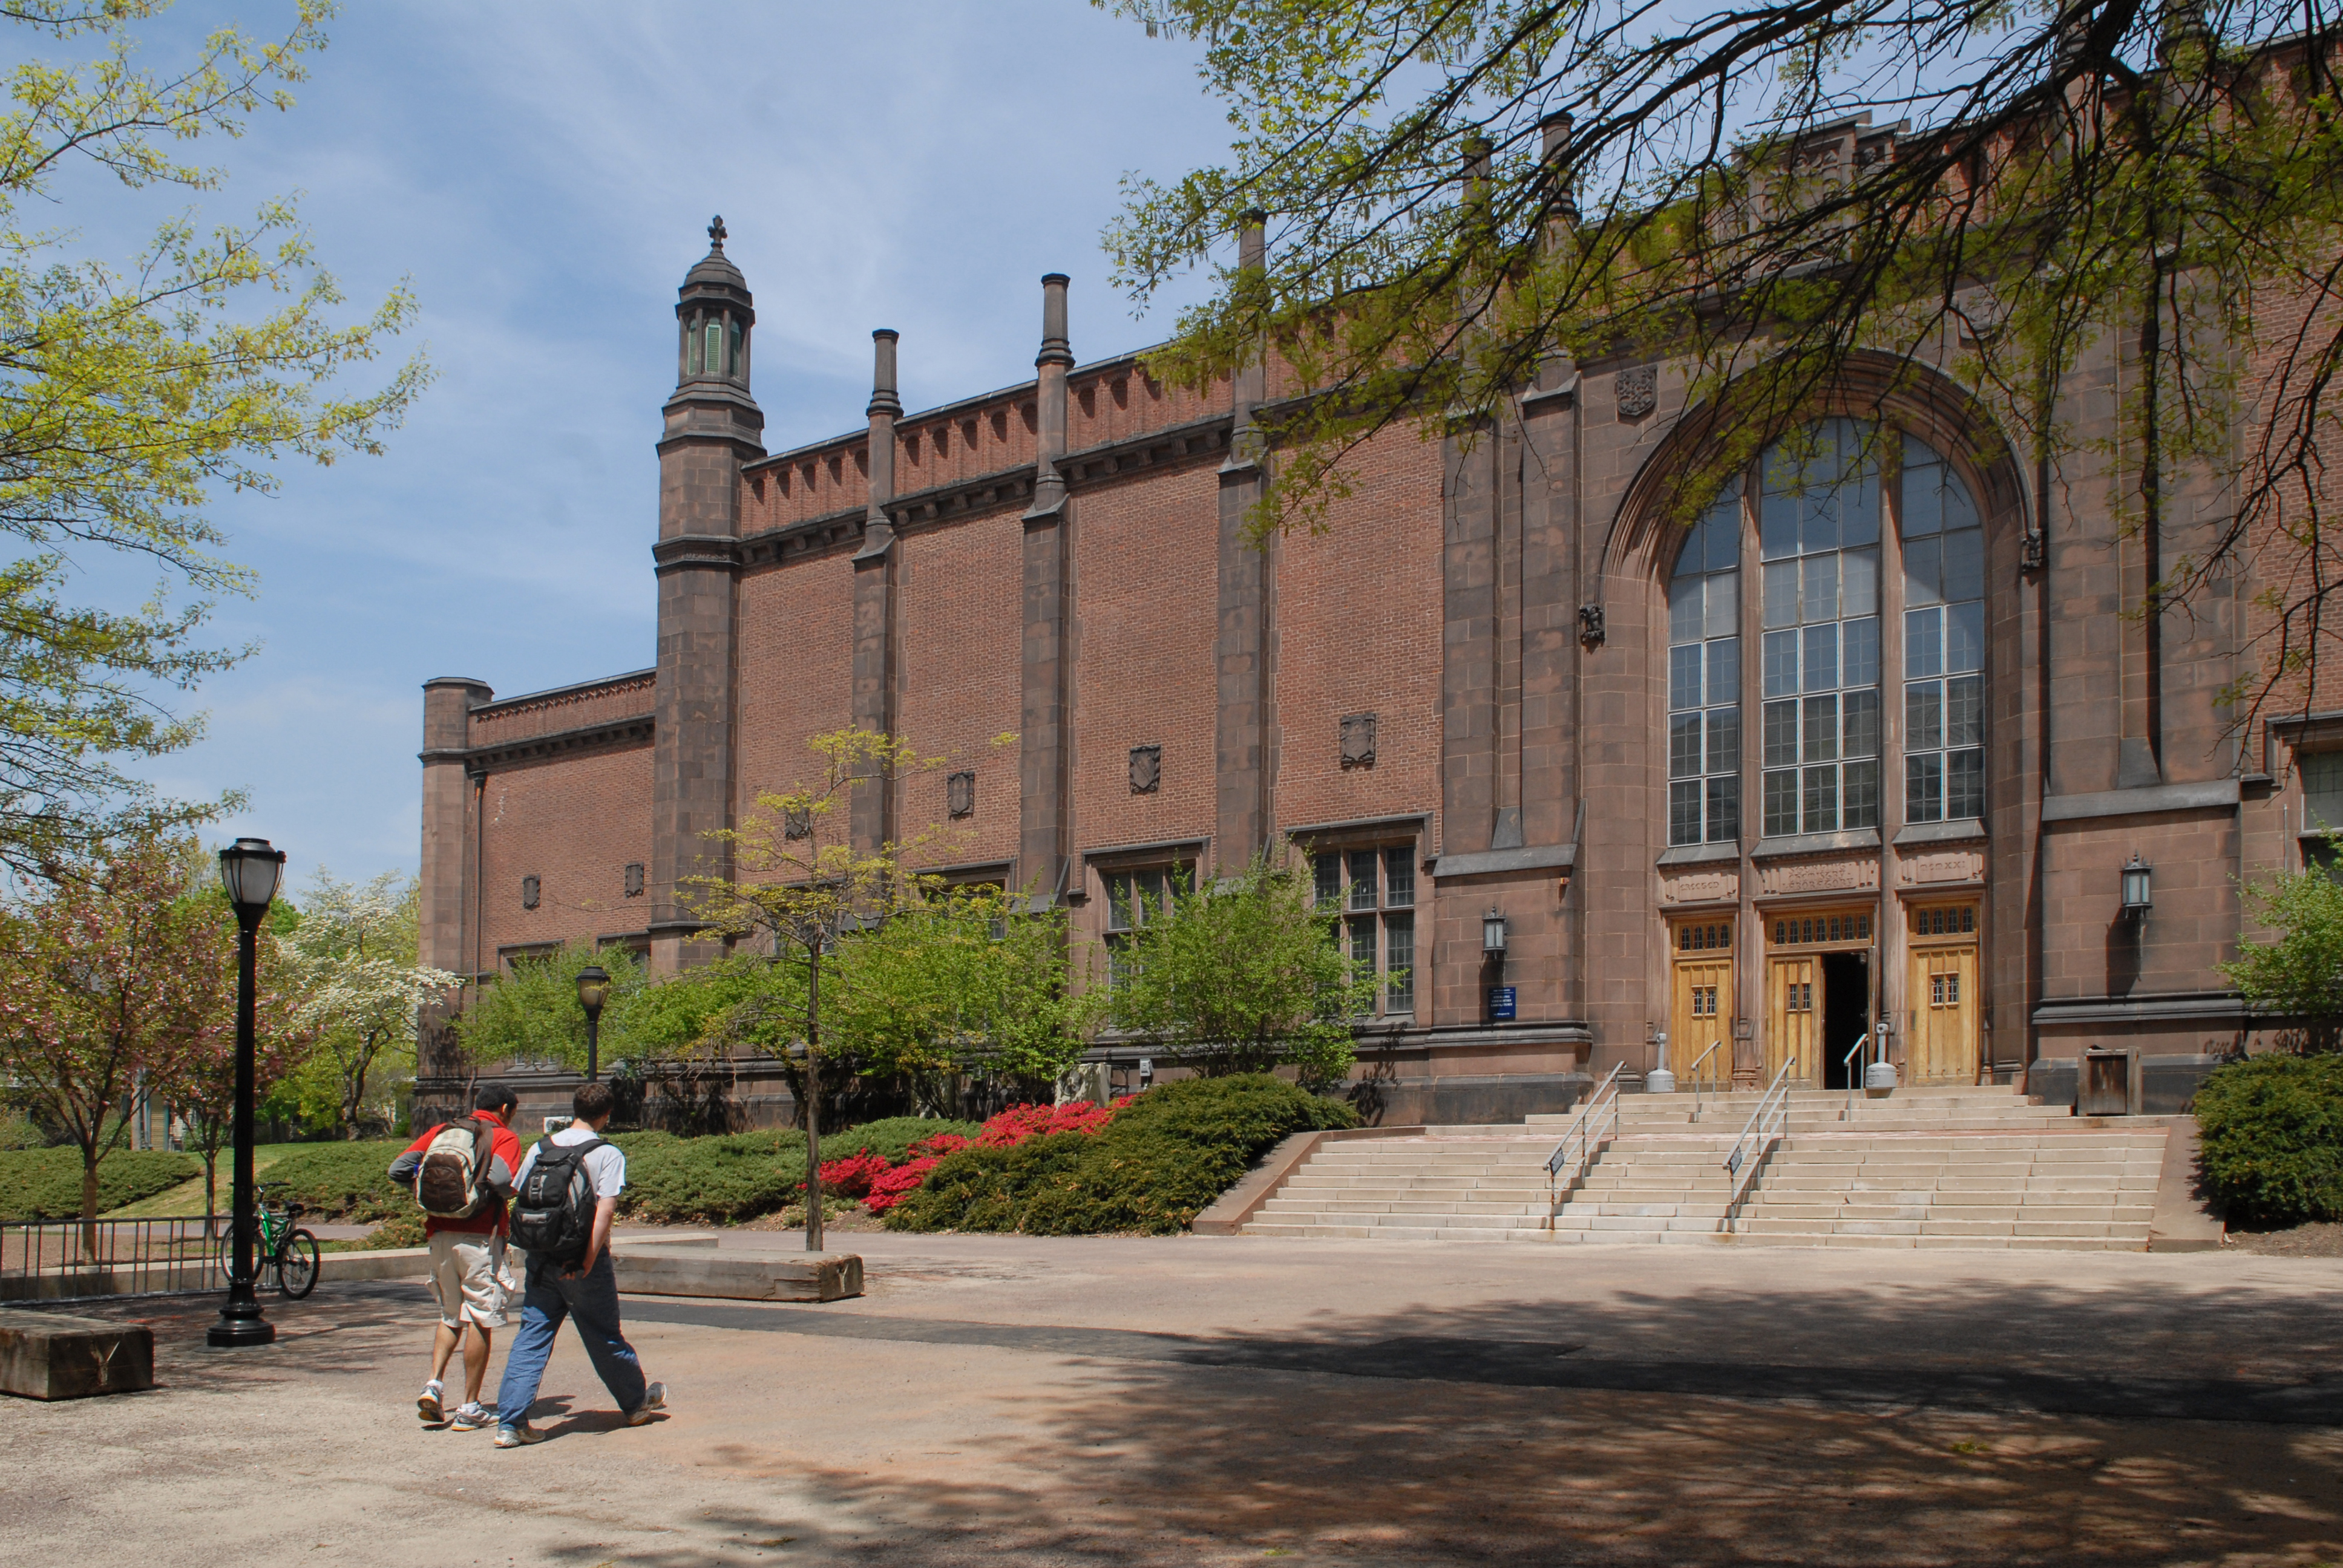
(1705, 679)
(1821, 535)
(1943, 636)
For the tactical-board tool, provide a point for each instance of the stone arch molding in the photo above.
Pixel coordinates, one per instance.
(1920, 398)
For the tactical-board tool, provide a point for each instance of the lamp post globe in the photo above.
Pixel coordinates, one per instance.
(251, 869)
(593, 990)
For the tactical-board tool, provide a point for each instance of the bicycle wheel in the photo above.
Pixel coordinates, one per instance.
(296, 1265)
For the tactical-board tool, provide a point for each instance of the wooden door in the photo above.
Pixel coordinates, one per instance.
(1793, 1005)
(1701, 1014)
(1943, 1002)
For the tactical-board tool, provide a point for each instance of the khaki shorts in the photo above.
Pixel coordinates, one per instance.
(466, 1279)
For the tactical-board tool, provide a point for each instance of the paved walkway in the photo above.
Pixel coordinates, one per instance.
(1116, 1401)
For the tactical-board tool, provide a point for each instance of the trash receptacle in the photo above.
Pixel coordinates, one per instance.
(2103, 1088)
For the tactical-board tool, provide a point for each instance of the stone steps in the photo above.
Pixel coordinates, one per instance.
(1928, 1168)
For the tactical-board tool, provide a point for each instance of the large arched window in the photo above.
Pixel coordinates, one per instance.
(1818, 527)
(1944, 642)
(1705, 680)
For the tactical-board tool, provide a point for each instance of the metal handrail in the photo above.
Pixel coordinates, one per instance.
(1776, 1101)
(1854, 1079)
(1700, 1088)
(1582, 1130)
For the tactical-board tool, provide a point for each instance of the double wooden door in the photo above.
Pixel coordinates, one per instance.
(1701, 1014)
(1941, 1045)
(1799, 995)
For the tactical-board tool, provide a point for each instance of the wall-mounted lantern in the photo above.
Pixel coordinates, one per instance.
(1492, 933)
(2135, 887)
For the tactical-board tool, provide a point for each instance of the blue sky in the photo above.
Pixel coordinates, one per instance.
(543, 174)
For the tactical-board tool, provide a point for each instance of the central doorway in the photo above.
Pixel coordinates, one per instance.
(1818, 991)
(1847, 1013)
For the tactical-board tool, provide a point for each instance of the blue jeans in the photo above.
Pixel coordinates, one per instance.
(592, 1299)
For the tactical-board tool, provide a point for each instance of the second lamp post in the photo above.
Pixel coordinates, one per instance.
(593, 990)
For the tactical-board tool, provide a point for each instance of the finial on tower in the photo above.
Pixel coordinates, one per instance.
(716, 232)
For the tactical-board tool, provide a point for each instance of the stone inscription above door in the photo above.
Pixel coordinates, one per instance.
(1818, 877)
(1701, 887)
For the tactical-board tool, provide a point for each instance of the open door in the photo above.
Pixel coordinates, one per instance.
(1818, 989)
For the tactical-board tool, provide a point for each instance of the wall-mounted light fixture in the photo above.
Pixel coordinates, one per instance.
(1493, 932)
(2135, 886)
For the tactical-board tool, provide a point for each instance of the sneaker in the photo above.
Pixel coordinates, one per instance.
(653, 1398)
(472, 1416)
(427, 1404)
(517, 1436)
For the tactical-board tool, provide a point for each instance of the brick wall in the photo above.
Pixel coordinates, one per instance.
(575, 824)
(961, 606)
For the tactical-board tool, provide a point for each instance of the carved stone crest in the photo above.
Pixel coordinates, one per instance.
(959, 794)
(1358, 741)
(1638, 391)
(1146, 769)
(1590, 625)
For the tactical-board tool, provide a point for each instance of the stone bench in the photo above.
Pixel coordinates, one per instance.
(686, 1271)
(45, 1355)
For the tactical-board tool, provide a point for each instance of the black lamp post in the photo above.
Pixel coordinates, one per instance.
(249, 870)
(593, 990)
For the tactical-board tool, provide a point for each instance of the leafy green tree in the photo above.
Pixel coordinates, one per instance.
(965, 981)
(1463, 198)
(130, 395)
(1245, 975)
(530, 1015)
(2299, 977)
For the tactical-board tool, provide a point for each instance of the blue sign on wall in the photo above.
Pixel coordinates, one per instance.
(1501, 1003)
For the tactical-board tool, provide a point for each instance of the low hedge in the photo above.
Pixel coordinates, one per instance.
(712, 1180)
(2270, 1139)
(339, 1183)
(1160, 1162)
(891, 1139)
(46, 1183)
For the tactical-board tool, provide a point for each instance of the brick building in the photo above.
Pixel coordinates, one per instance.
(1867, 749)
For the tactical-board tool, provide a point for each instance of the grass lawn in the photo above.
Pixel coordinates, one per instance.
(188, 1197)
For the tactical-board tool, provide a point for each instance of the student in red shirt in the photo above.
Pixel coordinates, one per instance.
(468, 1271)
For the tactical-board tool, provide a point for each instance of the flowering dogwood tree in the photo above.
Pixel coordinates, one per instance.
(353, 959)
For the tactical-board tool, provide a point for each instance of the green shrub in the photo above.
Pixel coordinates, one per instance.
(340, 1184)
(400, 1231)
(713, 1181)
(2270, 1139)
(46, 1183)
(1162, 1160)
(891, 1137)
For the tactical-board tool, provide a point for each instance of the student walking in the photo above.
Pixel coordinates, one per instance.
(462, 1172)
(567, 1195)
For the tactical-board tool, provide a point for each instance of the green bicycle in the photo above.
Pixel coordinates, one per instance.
(287, 1254)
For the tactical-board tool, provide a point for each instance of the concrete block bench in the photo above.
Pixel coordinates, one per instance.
(673, 1270)
(45, 1355)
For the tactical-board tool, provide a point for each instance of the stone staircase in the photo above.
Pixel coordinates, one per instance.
(1926, 1167)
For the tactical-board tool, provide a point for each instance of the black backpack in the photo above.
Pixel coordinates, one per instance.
(553, 1210)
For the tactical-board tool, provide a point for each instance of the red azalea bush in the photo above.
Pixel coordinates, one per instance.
(899, 1183)
(1019, 1122)
(882, 1187)
(851, 1177)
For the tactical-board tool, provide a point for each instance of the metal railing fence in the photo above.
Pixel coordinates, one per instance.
(1701, 1087)
(1605, 1099)
(65, 1260)
(1758, 1136)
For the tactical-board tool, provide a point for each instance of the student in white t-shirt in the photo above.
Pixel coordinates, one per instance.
(585, 1290)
